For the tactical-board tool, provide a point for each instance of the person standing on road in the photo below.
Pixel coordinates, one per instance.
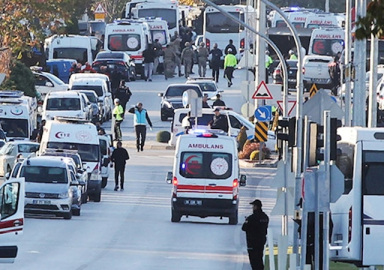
(140, 119)
(335, 74)
(216, 61)
(158, 48)
(41, 130)
(123, 94)
(218, 102)
(255, 227)
(268, 63)
(230, 63)
(149, 58)
(205, 101)
(202, 58)
(115, 78)
(118, 114)
(187, 59)
(169, 62)
(119, 157)
(230, 46)
(292, 55)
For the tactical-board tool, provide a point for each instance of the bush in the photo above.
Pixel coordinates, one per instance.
(248, 148)
(163, 136)
(21, 78)
(242, 138)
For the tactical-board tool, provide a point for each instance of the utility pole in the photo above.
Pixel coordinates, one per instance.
(326, 5)
(372, 107)
(347, 63)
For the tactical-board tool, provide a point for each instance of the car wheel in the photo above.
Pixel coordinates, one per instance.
(68, 215)
(97, 197)
(234, 218)
(76, 212)
(84, 197)
(104, 181)
(176, 216)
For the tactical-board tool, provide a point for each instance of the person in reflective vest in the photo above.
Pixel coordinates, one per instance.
(118, 114)
(140, 119)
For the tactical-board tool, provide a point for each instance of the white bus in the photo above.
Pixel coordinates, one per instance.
(168, 10)
(357, 215)
(81, 48)
(220, 29)
(327, 41)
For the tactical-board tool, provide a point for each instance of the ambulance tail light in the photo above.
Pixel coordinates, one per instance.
(303, 70)
(208, 43)
(95, 173)
(235, 186)
(174, 183)
(242, 43)
(350, 225)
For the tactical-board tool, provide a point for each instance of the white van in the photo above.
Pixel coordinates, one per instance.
(76, 134)
(235, 122)
(65, 103)
(100, 87)
(327, 41)
(78, 76)
(206, 177)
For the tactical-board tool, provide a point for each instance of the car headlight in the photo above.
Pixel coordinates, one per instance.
(94, 175)
(167, 104)
(64, 195)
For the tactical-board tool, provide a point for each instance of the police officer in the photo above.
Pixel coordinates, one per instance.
(219, 121)
(118, 113)
(140, 120)
(255, 227)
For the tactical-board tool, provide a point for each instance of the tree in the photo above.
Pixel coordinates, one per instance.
(21, 78)
(372, 23)
(113, 8)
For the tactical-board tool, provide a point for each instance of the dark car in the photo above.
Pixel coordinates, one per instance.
(292, 74)
(121, 60)
(171, 99)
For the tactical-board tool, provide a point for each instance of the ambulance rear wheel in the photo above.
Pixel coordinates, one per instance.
(234, 218)
(176, 216)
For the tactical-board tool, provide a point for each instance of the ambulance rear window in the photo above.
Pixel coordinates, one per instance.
(211, 165)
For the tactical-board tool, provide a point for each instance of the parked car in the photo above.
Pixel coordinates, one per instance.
(13, 150)
(207, 85)
(171, 99)
(315, 70)
(46, 82)
(292, 74)
(121, 60)
(95, 113)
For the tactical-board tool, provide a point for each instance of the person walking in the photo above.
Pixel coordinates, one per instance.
(202, 58)
(230, 46)
(230, 63)
(169, 62)
(119, 157)
(124, 94)
(149, 57)
(335, 74)
(177, 55)
(187, 59)
(140, 119)
(158, 48)
(118, 114)
(216, 61)
(218, 101)
(255, 227)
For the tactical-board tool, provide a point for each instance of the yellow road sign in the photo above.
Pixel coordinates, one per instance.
(313, 90)
(261, 131)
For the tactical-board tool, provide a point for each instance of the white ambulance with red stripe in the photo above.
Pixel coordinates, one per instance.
(206, 177)
(131, 36)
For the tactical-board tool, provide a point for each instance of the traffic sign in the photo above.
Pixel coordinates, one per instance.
(313, 90)
(99, 9)
(261, 131)
(262, 92)
(247, 109)
(291, 104)
(264, 113)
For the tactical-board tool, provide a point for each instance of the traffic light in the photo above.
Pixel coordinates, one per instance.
(334, 151)
(288, 135)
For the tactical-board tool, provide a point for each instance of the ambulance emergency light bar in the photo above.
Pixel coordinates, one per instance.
(11, 94)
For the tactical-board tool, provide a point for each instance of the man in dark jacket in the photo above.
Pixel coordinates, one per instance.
(218, 102)
(119, 157)
(124, 94)
(255, 227)
(230, 46)
(116, 77)
(149, 58)
(216, 61)
(219, 121)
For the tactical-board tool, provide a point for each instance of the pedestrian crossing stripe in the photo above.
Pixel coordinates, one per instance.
(261, 131)
(313, 90)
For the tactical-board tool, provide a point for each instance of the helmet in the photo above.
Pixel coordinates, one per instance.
(229, 49)
(187, 44)
(266, 52)
(117, 100)
(290, 52)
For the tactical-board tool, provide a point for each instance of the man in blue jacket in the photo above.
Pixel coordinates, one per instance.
(140, 119)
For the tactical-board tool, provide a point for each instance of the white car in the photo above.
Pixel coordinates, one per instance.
(315, 70)
(46, 82)
(13, 150)
(208, 86)
(65, 104)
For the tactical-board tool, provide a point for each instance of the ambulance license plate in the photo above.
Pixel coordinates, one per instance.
(193, 202)
(41, 202)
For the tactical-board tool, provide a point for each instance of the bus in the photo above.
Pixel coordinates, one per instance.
(327, 41)
(220, 29)
(357, 215)
(168, 10)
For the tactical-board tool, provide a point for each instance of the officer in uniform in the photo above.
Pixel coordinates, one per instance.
(255, 227)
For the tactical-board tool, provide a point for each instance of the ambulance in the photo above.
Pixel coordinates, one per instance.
(131, 36)
(326, 41)
(316, 21)
(298, 19)
(205, 177)
(159, 30)
(18, 116)
(77, 134)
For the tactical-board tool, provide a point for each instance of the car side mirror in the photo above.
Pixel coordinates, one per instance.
(220, 91)
(48, 84)
(160, 94)
(243, 180)
(169, 178)
(7, 175)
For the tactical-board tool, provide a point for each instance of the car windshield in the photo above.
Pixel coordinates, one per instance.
(327, 46)
(168, 15)
(87, 152)
(63, 104)
(79, 54)
(27, 148)
(177, 91)
(110, 56)
(6, 149)
(206, 86)
(54, 78)
(97, 26)
(219, 23)
(98, 89)
(15, 127)
(124, 42)
(91, 97)
(43, 174)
